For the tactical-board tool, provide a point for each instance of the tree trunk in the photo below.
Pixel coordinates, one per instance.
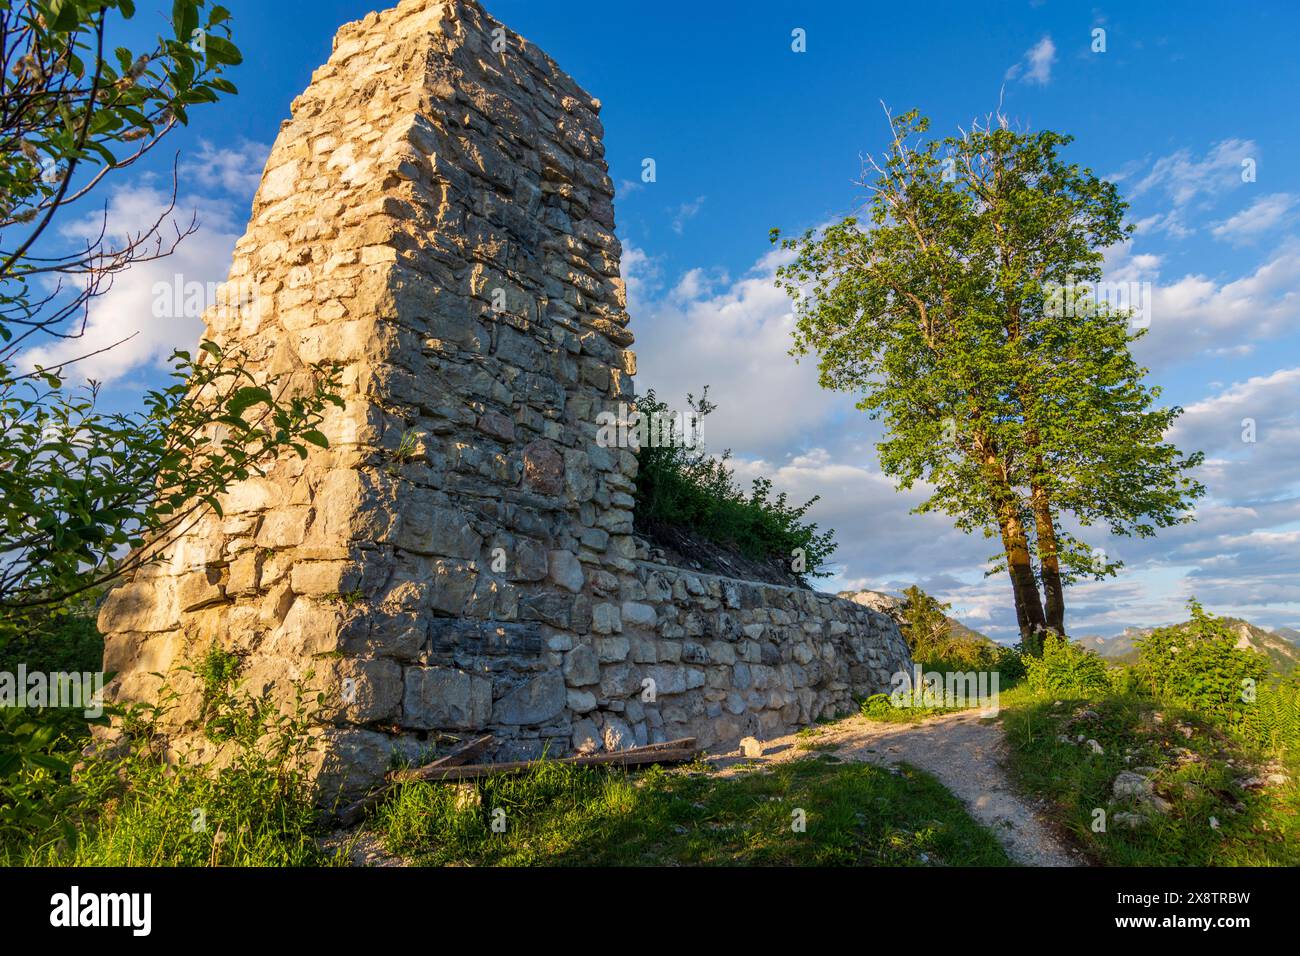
(1029, 606)
(1049, 562)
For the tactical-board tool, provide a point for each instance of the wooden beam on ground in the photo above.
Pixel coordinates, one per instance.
(461, 755)
(673, 751)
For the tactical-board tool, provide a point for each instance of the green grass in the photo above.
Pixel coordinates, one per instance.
(155, 817)
(1195, 766)
(129, 808)
(856, 815)
(880, 708)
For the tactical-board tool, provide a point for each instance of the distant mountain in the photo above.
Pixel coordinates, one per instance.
(1288, 633)
(1119, 648)
(1282, 652)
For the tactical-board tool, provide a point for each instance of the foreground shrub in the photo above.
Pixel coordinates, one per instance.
(1199, 665)
(1065, 668)
(125, 806)
(1272, 720)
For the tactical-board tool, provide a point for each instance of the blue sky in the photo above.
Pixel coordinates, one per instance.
(747, 134)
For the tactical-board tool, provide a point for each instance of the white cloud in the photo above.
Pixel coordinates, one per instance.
(1036, 67)
(127, 309)
(1199, 315)
(237, 170)
(1183, 177)
(686, 212)
(1256, 219)
(735, 336)
(1250, 433)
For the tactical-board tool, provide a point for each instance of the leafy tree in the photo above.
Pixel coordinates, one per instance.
(87, 496)
(943, 313)
(72, 113)
(927, 631)
(79, 488)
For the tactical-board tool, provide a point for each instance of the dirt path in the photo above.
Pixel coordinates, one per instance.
(962, 751)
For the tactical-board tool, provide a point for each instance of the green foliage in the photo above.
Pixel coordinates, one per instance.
(1031, 645)
(688, 488)
(1199, 665)
(74, 104)
(1272, 720)
(125, 807)
(926, 628)
(881, 707)
(1010, 665)
(408, 449)
(53, 639)
(35, 766)
(1065, 668)
(38, 745)
(934, 645)
(78, 486)
(225, 714)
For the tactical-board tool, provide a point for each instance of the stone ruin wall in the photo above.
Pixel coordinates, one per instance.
(437, 218)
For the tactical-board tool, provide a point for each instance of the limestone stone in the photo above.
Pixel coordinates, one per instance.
(605, 619)
(638, 615)
(444, 697)
(617, 735)
(565, 570)
(428, 528)
(536, 701)
(611, 650)
(581, 701)
(586, 736)
(581, 667)
(544, 467)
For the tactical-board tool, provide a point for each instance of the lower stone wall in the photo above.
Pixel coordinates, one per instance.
(686, 654)
(649, 656)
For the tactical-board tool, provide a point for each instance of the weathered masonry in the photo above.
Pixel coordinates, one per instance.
(437, 218)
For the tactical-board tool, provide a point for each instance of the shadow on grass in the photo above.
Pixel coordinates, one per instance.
(853, 814)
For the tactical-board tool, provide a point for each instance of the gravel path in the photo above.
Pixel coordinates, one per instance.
(962, 751)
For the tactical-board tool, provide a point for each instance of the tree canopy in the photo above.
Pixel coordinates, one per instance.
(961, 309)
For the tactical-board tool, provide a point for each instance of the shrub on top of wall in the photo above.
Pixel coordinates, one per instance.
(686, 487)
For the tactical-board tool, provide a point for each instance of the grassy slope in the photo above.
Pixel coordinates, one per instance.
(1197, 769)
(857, 815)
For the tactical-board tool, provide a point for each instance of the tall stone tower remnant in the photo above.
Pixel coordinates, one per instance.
(437, 218)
